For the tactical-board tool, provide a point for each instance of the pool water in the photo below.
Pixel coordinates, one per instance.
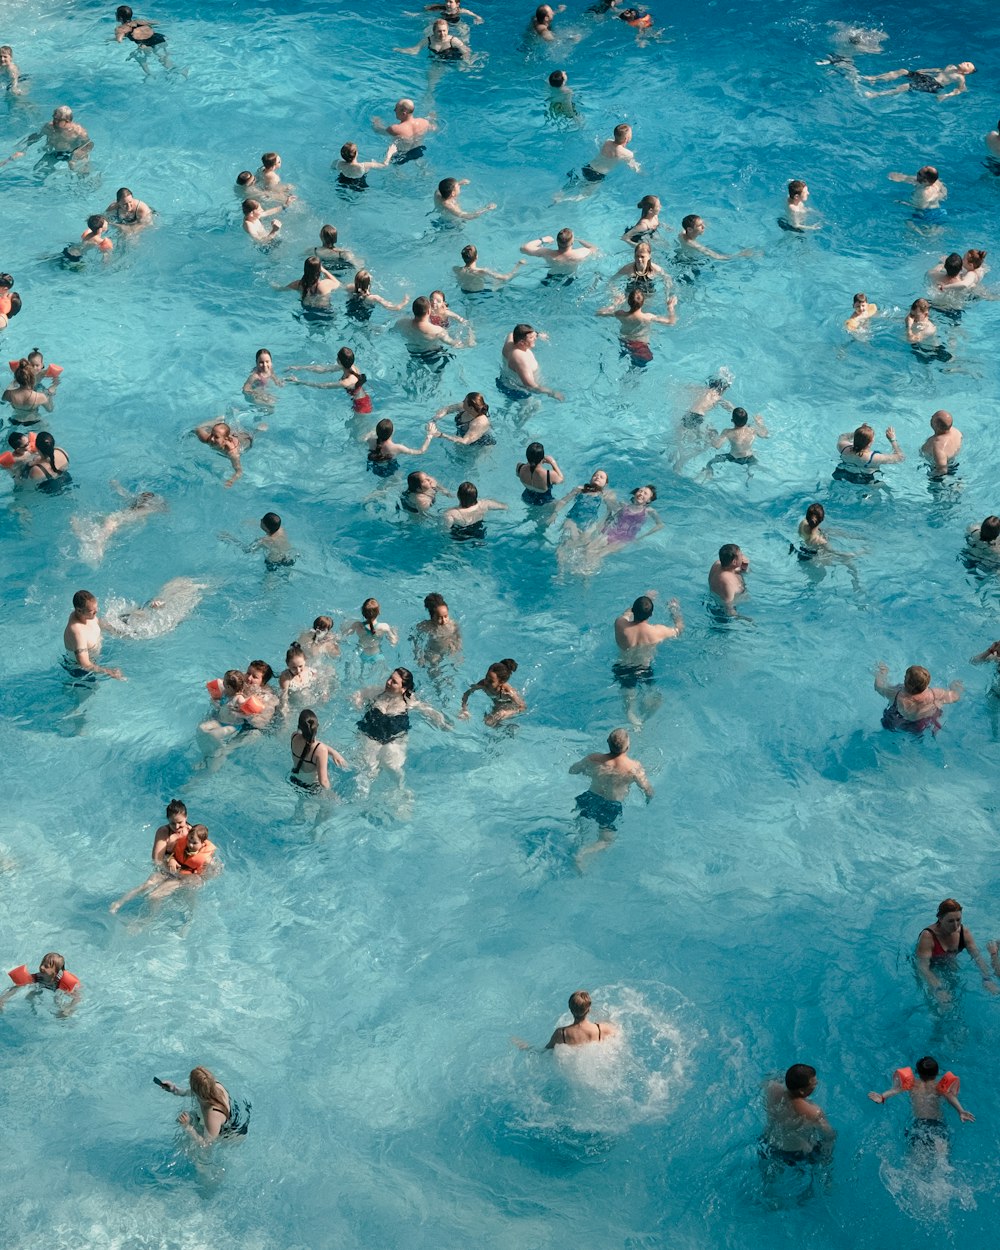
(358, 968)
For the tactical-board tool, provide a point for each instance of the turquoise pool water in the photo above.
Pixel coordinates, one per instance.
(357, 970)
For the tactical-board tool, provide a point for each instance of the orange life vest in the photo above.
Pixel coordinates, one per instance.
(196, 861)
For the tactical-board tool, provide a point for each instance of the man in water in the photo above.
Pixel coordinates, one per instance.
(65, 140)
(518, 366)
(992, 141)
(611, 776)
(637, 638)
(797, 1130)
(82, 640)
(614, 152)
(740, 437)
(928, 81)
(563, 259)
(408, 131)
(689, 239)
(725, 578)
(421, 335)
(942, 448)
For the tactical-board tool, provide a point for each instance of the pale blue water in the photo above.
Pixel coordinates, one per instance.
(359, 981)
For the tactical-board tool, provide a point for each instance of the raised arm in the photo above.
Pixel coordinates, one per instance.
(881, 458)
(536, 247)
(885, 687)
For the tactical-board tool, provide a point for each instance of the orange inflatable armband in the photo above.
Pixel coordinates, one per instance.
(948, 1084)
(250, 706)
(215, 687)
(905, 1077)
(21, 976)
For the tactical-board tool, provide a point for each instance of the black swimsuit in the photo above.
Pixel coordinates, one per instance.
(447, 53)
(569, 1026)
(308, 756)
(384, 726)
(484, 440)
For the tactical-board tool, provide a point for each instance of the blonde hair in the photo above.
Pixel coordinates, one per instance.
(204, 1086)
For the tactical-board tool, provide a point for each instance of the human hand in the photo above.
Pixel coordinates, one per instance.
(876, 1097)
(559, 396)
(116, 673)
(967, 1117)
(992, 948)
(184, 1119)
(546, 238)
(890, 433)
(464, 714)
(672, 302)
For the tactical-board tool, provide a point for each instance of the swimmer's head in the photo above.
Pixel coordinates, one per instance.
(6, 281)
(720, 383)
(557, 78)
(916, 679)
(579, 1005)
(124, 197)
(270, 522)
(729, 555)
(951, 909)
(176, 807)
(308, 724)
(598, 481)
(262, 356)
(564, 238)
(349, 152)
(420, 307)
(965, 67)
(322, 625)
(740, 417)
(815, 514)
(649, 206)
(440, 28)
(927, 1068)
(927, 175)
(250, 207)
(62, 114)
(18, 442)
(623, 133)
(544, 15)
(328, 236)
(635, 299)
(502, 670)
(436, 607)
(475, 402)
(52, 965)
(233, 681)
(312, 271)
(197, 836)
(447, 187)
(534, 453)
(438, 300)
(644, 494)
(415, 482)
(920, 308)
(642, 609)
(259, 673)
(642, 250)
(25, 374)
(345, 358)
(521, 332)
(989, 531)
(123, 13)
(618, 741)
(362, 282)
(204, 1086)
(973, 258)
(692, 222)
(468, 495)
(797, 190)
(405, 108)
(96, 223)
(953, 264)
(469, 254)
(860, 300)
(383, 430)
(370, 610)
(864, 436)
(245, 179)
(85, 603)
(295, 658)
(941, 421)
(270, 160)
(401, 679)
(800, 1079)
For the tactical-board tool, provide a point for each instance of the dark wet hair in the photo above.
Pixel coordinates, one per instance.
(927, 1068)
(17, 440)
(413, 481)
(349, 152)
(642, 608)
(648, 486)
(269, 159)
(45, 445)
(815, 514)
(407, 677)
(564, 238)
(798, 1077)
(25, 374)
(740, 417)
(250, 206)
(175, 807)
(95, 222)
(619, 131)
(521, 331)
(369, 611)
(728, 553)
(916, 679)
(946, 905)
(534, 453)
(83, 599)
(864, 436)
(294, 649)
(362, 282)
(648, 204)
(262, 667)
(261, 351)
(719, 384)
(504, 669)
(477, 402)
(796, 187)
(927, 175)
(321, 625)
(244, 179)
(123, 13)
(383, 432)
(447, 188)
(469, 253)
(989, 530)
(635, 299)
(308, 724)
(434, 600)
(953, 265)
(557, 78)
(271, 522)
(467, 494)
(421, 306)
(328, 236)
(688, 221)
(312, 271)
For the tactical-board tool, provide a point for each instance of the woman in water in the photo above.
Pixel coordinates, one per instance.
(320, 640)
(310, 757)
(537, 475)
(626, 524)
(436, 638)
(220, 1114)
(916, 704)
(351, 380)
(440, 314)
(383, 449)
(297, 675)
(25, 397)
(421, 492)
(361, 299)
(648, 223)
(642, 273)
(370, 631)
(257, 387)
(506, 700)
(315, 286)
(472, 422)
(228, 442)
(352, 173)
(858, 461)
(441, 45)
(332, 255)
(587, 502)
(51, 462)
(385, 724)
(938, 946)
(94, 535)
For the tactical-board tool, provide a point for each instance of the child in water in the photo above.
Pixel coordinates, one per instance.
(926, 1093)
(506, 701)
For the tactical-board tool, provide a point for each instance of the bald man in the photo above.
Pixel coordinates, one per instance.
(407, 130)
(942, 448)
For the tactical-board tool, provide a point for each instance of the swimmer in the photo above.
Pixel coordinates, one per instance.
(582, 1031)
(726, 581)
(96, 234)
(383, 449)
(797, 1130)
(332, 255)
(619, 530)
(519, 369)
(187, 858)
(315, 286)
(506, 700)
(862, 314)
(472, 422)
(25, 396)
(437, 638)
(385, 726)
(648, 224)
(635, 322)
(992, 141)
(407, 132)
(983, 543)
(452, 12)
(949, 274)
(929, 193)
(693, 430)
(65, 140)
(440, 45)
(370, 631)
(797, 209)
(95, 535)
(538, 474)
(127, 213)
(320, 642)
(441, 315)
(740, 438)
(256, 685)
(260, 379)
(927, 81)
(942, 448)
(297, 675)
(351, 380)
(940, 943)
(585, 504)
(611, 776)
(173, 603)
(232, 712)
(51, 975)
(82, 641)
(858, 461)
(641, 273)
(221, 437)
(10, 71)
(361, 298)
(446, 200)
(21, 456)
(613, 152)
(145, 38)
(310, 757)
(275, 545)
(352, 173)
(637, 640)
(221, 1114)
(916, 705)
(421, 493)
(269, 179)
(927, 1130)
(163, 841)
(974, 270)
(568, 254)
(473, 277)
(253, 224)
(50, 463)
(561, 102)
(422, 336)
(689, 240)
(918, 325)
(467, 519)
(10, 301)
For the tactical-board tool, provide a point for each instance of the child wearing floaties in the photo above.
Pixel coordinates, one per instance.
(51, 975)
(926, 1092)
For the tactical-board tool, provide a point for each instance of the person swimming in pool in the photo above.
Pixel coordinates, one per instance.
(383, 450)
(421, 493)
(473, 278)
(163, 840)
(690, 244)
(385, 726)
(613, 153)
(862, 313)
(370, 631)
(797, 1131)
(315, 286)
(740, 437)
(938, 946)
(140, 32)
(472, 422)
(496, 684)
(351, 380)
(438, 637)
(568, 254)
(519, 368)
(927, 1131)
(440, 45)
(641, 272)
(582, 1031)
(221, 1114)
(311, 757)
(10, 71)
(612, 774)
(95, 535)
(637, 639)
(942, 448)
(25, 396)
(586, 504)
(635, 323)
(51, 975)
(127, 213)
(253, 225)
(467, 520)
(407, 132)
(221, 437)
(929, 193)
(258, 388)
(916, 705)
(983, 546)
(352, 173)
(797, 208)
(859, 463)
(82, 641)
(65, 140)
(422, 337)
(726, 581)
(925, 81)
(538, 473)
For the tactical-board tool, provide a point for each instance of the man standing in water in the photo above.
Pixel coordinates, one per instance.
(725, 578)
(611, 775)
(65, 140)
(797, 1130)
(942, 448)
(408, 131)
(637, 640)
(82, 640)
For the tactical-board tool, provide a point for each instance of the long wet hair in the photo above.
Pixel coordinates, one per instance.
(45, 446)
(383, 432)
(312, 272)
(308, 724)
